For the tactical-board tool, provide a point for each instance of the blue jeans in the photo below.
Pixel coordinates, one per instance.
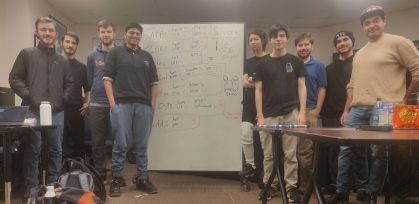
(131, 119)
(33, 149)
(361, 115)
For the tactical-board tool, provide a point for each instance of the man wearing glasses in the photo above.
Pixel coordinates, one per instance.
(130, 79)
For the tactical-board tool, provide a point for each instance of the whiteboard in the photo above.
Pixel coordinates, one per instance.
(197, 119)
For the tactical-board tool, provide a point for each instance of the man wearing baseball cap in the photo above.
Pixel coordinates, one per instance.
(338, 75)
(379, 70)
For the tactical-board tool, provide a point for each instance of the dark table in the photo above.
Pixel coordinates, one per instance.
(7, 132)
(345, 136)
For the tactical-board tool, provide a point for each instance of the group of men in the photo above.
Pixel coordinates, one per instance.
(120, 89)
(295, 90)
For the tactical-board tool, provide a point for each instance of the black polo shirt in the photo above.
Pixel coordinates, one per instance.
(132, 72)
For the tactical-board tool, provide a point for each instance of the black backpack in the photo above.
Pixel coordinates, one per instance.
(70, 165)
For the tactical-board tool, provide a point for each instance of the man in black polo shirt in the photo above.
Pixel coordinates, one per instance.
(130, 79)
(75, 108)
(280, 91)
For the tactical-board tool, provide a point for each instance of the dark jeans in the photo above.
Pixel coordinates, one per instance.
(74, 127)
(101, 129)
(360, 169)
(33, 150)
(131, 120)
(361, 115)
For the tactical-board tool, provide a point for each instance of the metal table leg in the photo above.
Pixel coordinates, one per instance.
(314, 176)
(275, 172)
(7, 167)
(276, 167)
(44, 156)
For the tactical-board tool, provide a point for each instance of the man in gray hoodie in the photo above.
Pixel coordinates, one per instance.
(99, 104)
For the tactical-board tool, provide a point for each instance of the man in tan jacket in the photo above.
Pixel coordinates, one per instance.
(379, 70)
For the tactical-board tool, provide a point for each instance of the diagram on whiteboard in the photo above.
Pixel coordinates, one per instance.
(200, 68)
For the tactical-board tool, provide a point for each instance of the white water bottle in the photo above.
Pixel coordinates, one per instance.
(45, 113)
(50, 196)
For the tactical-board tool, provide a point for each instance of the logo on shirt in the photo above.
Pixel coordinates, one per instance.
(289, 67)
(99, 63)
(146, 63)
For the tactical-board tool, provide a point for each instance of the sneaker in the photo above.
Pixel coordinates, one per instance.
(329, 190)
(122, 182)
(269, 195)
(293, 195)
(115, 189)
(370, 199)
(247, 170)
(146, 186)
(337, 198)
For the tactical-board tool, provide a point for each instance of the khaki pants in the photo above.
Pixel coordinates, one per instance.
(289, 145)
(305, 146)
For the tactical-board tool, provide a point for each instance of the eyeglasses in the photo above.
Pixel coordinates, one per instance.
(134, 33)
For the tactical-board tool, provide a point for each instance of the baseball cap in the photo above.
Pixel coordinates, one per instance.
(372, 11)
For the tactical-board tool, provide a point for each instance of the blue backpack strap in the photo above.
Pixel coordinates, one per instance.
(85, 182)
(63, 179)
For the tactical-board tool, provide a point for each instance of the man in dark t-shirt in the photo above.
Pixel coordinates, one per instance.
(75, 108)
(279, 92)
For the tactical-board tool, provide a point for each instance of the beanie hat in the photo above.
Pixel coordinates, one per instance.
(372, 11)
(344, 33)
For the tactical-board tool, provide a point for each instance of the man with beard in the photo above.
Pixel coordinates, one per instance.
(130, 79)
(379, 71)
(99, 104)
(75, 109)
(338, 75)
(41, 74)
(316, 83)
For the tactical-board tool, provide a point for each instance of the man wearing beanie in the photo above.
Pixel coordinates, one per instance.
(338, 75)
(379, 70)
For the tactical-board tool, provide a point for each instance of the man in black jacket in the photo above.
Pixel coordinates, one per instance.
(41, 74)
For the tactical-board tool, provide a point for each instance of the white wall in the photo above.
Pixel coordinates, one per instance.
(18, 30)
(12, 37)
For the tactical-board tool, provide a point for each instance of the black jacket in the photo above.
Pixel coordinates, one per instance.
(41, 74)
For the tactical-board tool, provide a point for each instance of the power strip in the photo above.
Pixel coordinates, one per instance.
(376, 128)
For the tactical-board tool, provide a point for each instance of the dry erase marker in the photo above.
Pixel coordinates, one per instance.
(283, 126)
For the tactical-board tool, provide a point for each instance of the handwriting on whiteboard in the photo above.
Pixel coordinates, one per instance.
(193, 64)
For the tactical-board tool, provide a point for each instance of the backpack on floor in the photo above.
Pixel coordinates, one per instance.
(78, 173)
(77, 179)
